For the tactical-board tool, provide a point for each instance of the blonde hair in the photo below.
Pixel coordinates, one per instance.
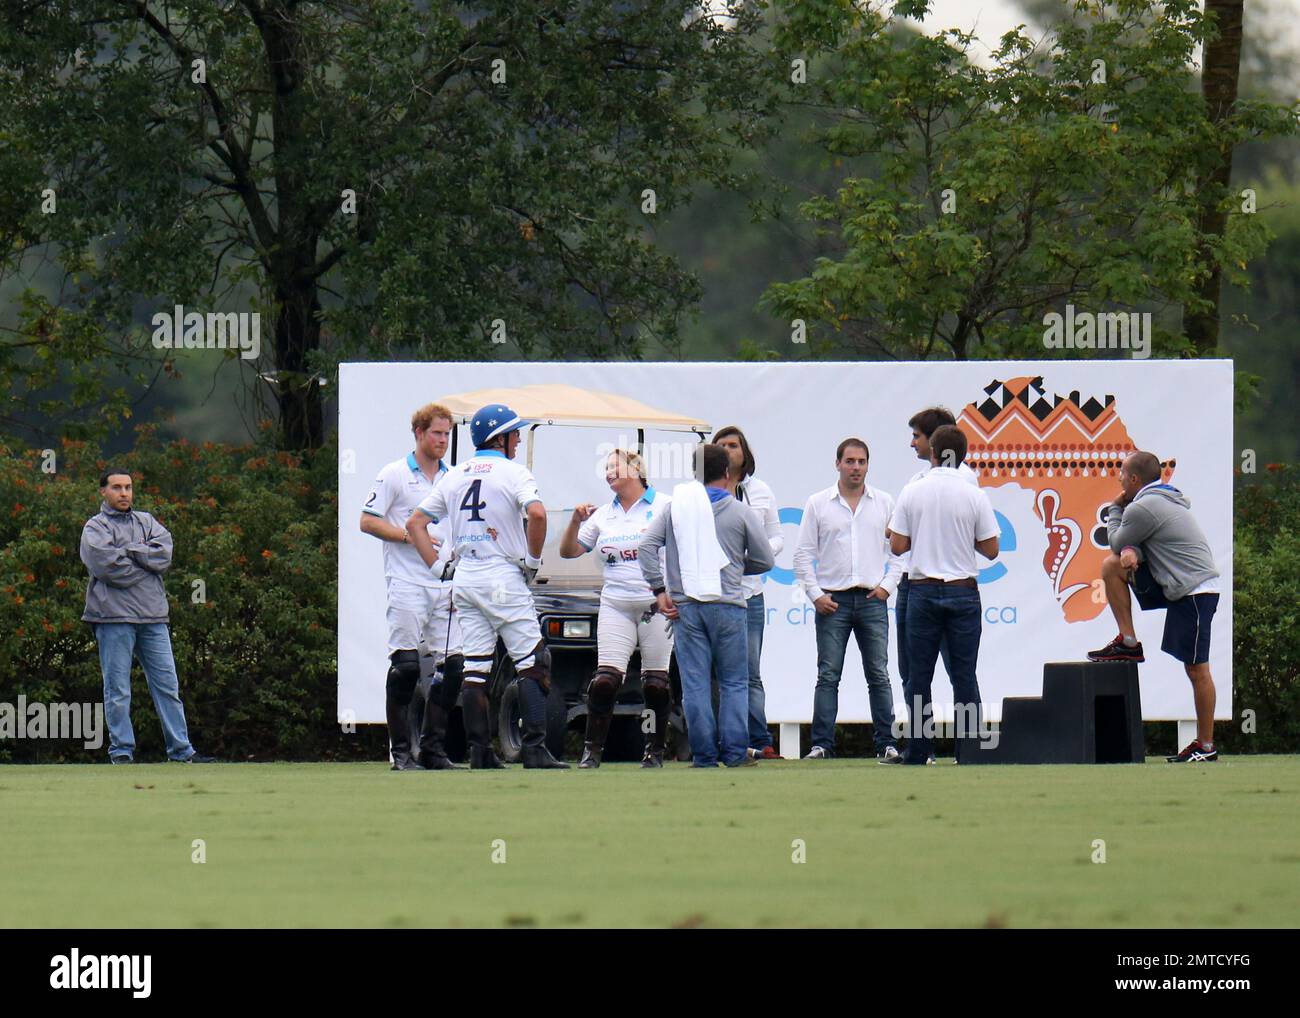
(634, 462)
(427, 414)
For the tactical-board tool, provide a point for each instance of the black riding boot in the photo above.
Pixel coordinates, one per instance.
(433, 751)
(593, 744)
(475, 704)
(658, 698)
(532, 702)
(399, 734)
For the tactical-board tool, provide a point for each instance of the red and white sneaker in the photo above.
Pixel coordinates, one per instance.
(1195, 753)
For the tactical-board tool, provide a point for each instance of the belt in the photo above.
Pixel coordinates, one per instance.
(965, 581)
(850, 590)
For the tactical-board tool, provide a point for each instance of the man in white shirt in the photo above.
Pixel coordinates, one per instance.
(923, 425)
(497, 555)
(419, 602)
(757, 494)
(843, 530)
(943, 521)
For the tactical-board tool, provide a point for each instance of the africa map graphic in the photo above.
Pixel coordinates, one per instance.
(1067, 451)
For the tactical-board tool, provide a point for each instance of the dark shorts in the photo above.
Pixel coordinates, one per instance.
(1187, 620)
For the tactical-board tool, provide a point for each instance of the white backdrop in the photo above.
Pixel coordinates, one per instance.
(794, 416)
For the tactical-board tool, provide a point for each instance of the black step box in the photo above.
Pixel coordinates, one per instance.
(1088, 713)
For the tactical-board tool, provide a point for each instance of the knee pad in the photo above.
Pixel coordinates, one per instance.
(656, 689)
(603, 688)
(403, 675)
(540, 670)
(453, 674)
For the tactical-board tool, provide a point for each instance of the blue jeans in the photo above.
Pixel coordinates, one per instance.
(151, 644)
(938, 612)
(756, 617)
(867, 618)
(900, 626)
(709, 637)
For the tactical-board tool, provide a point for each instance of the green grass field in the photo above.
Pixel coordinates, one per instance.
(357, 845)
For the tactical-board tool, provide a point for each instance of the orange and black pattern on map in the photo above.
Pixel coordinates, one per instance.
(1067, 451)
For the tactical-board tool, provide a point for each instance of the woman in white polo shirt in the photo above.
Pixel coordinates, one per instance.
(627, 618)
(756, 494)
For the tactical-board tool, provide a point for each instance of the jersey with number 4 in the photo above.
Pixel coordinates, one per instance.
(483, 501)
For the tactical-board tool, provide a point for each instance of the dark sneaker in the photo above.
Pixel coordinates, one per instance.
(198, 758)
(1116, 651)
(744, 761)
(1195, 753)
(891, 755)
(120, 759)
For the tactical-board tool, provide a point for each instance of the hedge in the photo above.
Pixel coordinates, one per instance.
(252, 590)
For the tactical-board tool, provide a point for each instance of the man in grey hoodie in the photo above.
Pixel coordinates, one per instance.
(1161, 551)
(127, 552)
(710, 636)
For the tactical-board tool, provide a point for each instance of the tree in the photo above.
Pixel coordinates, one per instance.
(383, 178)
(1061, 175)
(1219, 90)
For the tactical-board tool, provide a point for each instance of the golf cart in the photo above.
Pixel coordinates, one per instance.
(567, 591)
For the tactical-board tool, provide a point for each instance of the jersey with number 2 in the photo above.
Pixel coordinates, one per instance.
(483, 501)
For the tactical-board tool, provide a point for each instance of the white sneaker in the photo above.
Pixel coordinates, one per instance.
(817, 753)
(891, 755)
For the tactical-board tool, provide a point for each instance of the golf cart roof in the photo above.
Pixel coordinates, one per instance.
(572, 406)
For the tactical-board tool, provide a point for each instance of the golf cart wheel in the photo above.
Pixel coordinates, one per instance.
(510, 727)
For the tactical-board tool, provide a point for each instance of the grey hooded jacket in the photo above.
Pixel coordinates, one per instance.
(1159, 524)
(126, 553)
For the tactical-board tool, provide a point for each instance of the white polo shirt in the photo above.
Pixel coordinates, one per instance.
(482, 501)
(849, 545)
(967, 474)
(758, 496)
(944, 515)
(399, 488)
(615, 536)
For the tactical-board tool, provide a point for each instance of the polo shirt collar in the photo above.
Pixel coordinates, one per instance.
(490, 452)
(648, 497)
(414, 464)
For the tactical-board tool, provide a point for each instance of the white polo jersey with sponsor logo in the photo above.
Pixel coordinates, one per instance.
(482, 502)
(399, 488)
(615, 536)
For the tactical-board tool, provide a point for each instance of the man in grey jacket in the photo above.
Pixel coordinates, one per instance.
(709, 634)
(1161, 551)
(126, 553)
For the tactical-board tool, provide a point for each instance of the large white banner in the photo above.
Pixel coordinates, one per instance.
(1046, 439)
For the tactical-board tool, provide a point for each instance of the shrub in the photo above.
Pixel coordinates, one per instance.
(252, 593)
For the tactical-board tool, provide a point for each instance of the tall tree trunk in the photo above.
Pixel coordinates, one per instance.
(1221, 69)
(297, 334)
